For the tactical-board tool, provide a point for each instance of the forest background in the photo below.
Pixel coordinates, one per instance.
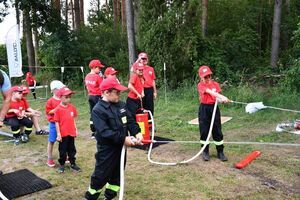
(244, 41)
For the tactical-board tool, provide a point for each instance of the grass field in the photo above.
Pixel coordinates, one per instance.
(274, 175)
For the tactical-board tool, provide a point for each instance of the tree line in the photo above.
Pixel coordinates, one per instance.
(242, 40)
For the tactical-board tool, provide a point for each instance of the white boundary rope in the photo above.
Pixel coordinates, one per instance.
(188, 160)
(122, 176)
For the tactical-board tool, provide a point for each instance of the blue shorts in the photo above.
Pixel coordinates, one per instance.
(52, 132)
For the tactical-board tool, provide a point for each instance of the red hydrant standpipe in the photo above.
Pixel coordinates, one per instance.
(248, 159)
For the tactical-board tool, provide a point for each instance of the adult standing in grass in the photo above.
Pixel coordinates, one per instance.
(112, 123)
(209, 91)
(5, 86)
(92, 83)
(149, 86)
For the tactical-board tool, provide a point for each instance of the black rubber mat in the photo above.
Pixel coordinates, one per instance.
(20, 183)
(146, 146)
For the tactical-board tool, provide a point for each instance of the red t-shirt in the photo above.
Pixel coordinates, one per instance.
(138, 84)
(206, 98)
(92, 83)
(30, 80)
(149, 76)
(25, 102)
(51, 104)
(19, 105)
(65, 115)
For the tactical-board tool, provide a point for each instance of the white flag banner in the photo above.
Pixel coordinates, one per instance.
(13, 48)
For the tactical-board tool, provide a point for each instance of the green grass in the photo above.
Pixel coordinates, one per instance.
(277, 166)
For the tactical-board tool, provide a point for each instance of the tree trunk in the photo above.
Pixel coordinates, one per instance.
(204, 17)
(66, 12)
(123, 16)
(17, 11)
(28, 37)
(82, 12)
(130, 32)
(35, 38)
(77, 14)
(115, 9)
(72, 13)
(286, 34)
(276, 33)
(136, 11)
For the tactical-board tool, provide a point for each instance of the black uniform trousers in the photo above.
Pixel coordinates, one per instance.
(133, 105)
(148, 99)
(67, 148)
(93, 100)
(16, 123)
(204, 117)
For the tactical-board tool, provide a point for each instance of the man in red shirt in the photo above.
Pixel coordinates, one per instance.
(209, 92)
(136, 90)
(16, 117)
(92, 83)
(31, 82)
(64, 117)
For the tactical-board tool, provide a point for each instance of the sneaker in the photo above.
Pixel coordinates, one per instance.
(24, 137)
(17, 141)
(222, 157)
(75, 168)
(61, 169)
(42, 132)
(50, 163)
(93, 136)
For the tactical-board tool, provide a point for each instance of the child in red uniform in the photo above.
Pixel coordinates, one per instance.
(208, 93)
(30, 79)
(16, 117)
(136, 93)
(51, 105)
(64, 117)
(33, 114)
(110, 72)
(92, 83)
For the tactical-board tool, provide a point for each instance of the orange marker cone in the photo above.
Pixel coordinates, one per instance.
(243, 163)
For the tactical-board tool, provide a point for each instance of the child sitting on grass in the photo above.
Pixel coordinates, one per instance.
(33, 114)
(64, 117)
(16, 117)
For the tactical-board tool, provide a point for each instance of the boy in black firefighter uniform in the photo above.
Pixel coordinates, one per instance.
(209, 91)
(112, 122)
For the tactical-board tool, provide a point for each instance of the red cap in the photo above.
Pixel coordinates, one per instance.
(112, 83)
(140, 66)
(16, 89)
(95, 63)
(143, 55)
(204, 71)
(64, 92)
(25, 89)
(28, 74)
(110, 71)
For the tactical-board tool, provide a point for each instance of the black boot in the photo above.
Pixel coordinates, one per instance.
(220, 150)
(205, 154)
